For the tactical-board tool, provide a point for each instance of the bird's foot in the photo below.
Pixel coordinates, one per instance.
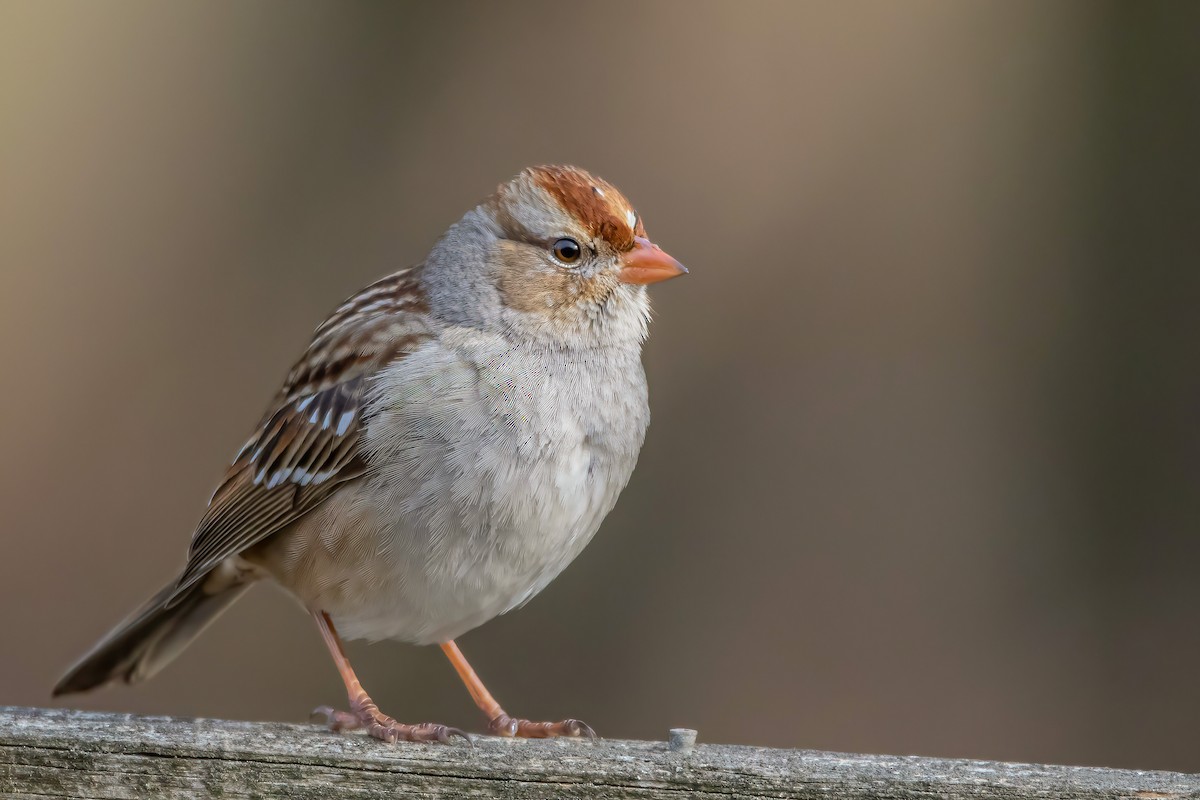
(384, 728)
(504, 725)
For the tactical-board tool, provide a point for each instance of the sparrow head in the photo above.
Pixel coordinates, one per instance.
(567, 257)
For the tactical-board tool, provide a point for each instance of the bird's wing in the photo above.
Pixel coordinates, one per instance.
(308, 444)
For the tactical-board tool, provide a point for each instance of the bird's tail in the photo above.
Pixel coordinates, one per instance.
(150, 638)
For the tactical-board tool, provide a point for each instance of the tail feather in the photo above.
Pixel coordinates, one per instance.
(150, 638)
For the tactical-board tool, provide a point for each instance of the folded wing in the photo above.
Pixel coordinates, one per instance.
(308, 444)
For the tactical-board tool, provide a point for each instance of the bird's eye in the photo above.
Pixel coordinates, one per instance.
(567, 251)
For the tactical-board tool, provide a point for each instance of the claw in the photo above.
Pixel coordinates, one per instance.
(447, 734)
(577, 727)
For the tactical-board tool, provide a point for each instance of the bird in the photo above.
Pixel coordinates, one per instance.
(450, 440)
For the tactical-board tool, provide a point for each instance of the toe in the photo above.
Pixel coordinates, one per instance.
(509, 726)
(504, 725)
(424, 732)
(335, 720)
(385, 729)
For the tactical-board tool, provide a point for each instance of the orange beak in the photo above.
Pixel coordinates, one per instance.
(647, 263)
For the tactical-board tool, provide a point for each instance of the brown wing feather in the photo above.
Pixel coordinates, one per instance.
(308, 443)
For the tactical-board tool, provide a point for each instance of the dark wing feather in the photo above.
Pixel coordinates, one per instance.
(308, 443)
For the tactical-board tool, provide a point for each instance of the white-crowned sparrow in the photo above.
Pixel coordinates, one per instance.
(451, 439)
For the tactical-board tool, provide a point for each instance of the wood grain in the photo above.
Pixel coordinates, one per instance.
(56, 753)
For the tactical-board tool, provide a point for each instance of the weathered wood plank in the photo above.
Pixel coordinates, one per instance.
(52, 754)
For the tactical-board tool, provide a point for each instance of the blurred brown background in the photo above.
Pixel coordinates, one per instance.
(924, 473)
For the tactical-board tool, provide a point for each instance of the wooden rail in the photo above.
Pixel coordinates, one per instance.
(53, 753)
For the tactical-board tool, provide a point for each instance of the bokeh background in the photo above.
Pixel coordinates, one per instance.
(924, 472)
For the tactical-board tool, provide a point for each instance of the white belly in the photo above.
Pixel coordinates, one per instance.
(435, 587)
(473, 508)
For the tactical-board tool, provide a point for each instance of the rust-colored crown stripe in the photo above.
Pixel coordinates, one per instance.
(605, 213)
